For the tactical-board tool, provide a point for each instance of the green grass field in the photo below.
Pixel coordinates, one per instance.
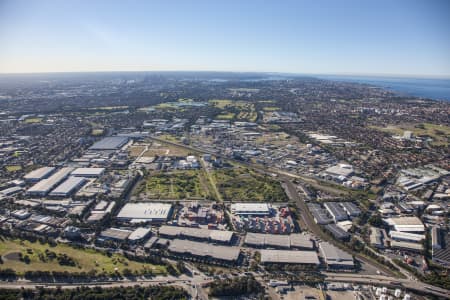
(13, 168)
(176, 185)
(239, 184)
(225, 116)
(439, 133)
(86, 259)
(33, 120)
(240, 110)
(271, 108)
(97, 132)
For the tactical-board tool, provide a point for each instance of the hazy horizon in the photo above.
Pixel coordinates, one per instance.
(355, 38)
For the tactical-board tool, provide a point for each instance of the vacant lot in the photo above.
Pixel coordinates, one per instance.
(225, 116)
(176, 185)
(33, 120)
(439, 133)
(271, 108)
(85, 260)
(160, 149)
(13, 168)
(135, 150)
(239, 184)
(240, 110)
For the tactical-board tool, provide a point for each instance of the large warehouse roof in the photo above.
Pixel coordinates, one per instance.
(336, 211)
(115, 233)
(39, 174)
(337, 231)
(45, 185)
(250, 208)
(405, 236)
(68, 186)
(406, 246)
(340, 170)
(88, 172)
(281, 241)
(406, 224)
(335, 256)
(204, 250)
(320, 215)
(351, 208)
(139, 233)
(289, 257)
(110, 143)
(145, 211)
(198, 233)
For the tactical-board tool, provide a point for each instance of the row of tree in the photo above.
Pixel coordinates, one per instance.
(97, 293)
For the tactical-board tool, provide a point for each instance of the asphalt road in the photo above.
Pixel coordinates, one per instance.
(308, 219)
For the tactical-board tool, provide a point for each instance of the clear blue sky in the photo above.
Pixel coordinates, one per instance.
(404, 37)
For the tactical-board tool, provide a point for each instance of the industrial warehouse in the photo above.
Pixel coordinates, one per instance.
(145, 212)
(307, 258)
(110, 143)
(335, 258)
(297, 241)
(214, 236)
(44, 186)
(205, 252)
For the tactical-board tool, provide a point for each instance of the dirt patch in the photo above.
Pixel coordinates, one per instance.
(12, 256)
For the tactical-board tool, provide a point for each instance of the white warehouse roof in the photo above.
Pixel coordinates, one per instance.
(289, 257)
(45, 185)
(147, 211)
(250, 208)
(88, 172)
(68, 186)
(39, 174)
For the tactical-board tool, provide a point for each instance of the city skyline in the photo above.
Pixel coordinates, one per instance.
(405, 38)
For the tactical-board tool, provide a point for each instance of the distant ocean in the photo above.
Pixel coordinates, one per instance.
(437, 89)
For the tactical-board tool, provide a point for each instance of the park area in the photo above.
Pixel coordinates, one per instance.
(240, 184)
(190, 184)
(238, 110)
(440, 134)
(23, 256)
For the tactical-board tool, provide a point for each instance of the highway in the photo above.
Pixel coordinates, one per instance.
(194, 284)
(408, 284)
(293, 194)
(308, 219)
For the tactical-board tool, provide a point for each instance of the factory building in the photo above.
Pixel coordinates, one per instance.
(335, 258)
(44, 186)
(406, 224)
(340, 171)
(39, 174)
(204, 252)
(351, 209)
(145, 212)
(413, 247)
(254, 209)
(114, 234)
(435, 238)
(307, 258)
(319, 214)
(336, 211)
(406, 237)
(337, 232)
(376, 238)
(88, 172)
(68, 187)
(200, 234)
(298, 241)
(110, 143)
(139, 234)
